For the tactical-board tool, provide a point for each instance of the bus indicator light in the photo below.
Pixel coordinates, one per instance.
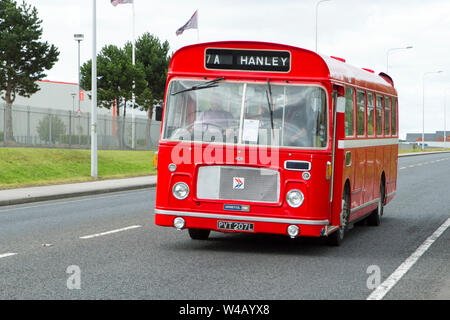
(329, 171)
(155, 160)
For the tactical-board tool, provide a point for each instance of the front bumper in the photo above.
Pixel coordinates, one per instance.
(203, 220)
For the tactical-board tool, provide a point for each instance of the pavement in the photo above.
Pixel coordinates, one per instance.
(62, 191)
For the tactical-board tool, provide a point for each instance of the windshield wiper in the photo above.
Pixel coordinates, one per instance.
(270, 102)
(205, 85)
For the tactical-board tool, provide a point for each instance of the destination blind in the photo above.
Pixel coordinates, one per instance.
(252, 60)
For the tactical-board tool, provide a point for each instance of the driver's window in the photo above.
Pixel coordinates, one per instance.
(218, 113)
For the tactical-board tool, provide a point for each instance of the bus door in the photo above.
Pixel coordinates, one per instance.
(337, 161)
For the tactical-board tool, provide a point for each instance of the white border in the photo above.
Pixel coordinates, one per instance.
(239, 70)
(360, 143)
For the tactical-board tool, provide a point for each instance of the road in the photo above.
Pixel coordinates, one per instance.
(121, 254)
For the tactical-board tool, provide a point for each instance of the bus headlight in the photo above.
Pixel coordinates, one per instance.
(180, 190)
(293, 231)
(179, 223)
(295, 198)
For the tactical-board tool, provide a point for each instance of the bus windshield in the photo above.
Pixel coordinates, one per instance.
(288, 115)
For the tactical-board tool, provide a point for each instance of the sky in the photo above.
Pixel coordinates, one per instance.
(361, 31)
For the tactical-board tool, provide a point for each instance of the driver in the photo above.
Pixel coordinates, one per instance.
(215, 115)
(216, 118)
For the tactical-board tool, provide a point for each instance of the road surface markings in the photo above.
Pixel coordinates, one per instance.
(8, 254)
(109, 232)
(392, 280)
(422, 163)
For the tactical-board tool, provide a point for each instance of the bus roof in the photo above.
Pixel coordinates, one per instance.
(305, 65)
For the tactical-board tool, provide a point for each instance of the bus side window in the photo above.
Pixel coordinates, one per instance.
(349, 110)
(379, 115)
(394, 116)
(387, 116)
(370, 114)
(360, 112)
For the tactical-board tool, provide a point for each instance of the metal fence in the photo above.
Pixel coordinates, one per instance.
(51, 128)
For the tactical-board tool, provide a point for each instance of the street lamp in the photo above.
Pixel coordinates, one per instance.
(393, 49)
(423, 106)
(317, 11)
(78, 37)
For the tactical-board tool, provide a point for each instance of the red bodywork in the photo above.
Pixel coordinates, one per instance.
(372, 157)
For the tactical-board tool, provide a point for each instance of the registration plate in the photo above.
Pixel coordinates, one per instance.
(235, 226)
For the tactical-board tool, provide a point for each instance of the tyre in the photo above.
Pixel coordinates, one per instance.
(199, 234)
(336, 238)
(375, 218)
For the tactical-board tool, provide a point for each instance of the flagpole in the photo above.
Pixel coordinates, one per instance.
(94, 170)
(134, 30)
(198, 30)
(133, 128)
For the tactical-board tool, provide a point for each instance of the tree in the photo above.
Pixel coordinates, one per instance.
(116, 74)
(23, 58)
(51, 128)
(154, 56)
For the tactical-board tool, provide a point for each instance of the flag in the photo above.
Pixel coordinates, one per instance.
(116, 2)
(191, 24)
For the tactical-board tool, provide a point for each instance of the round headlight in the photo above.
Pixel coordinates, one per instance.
(180, 190)
(295, 198)
(293, 231)
(179, 223)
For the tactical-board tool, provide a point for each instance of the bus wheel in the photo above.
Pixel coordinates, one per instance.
(375, 218)
(336, 238)
(199, 234)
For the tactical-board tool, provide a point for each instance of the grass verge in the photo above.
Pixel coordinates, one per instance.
(22, 167)
(419, 150)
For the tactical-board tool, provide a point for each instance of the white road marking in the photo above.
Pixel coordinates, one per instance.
(392, 280)
(423, 163)
(109, 232)
(9, 254)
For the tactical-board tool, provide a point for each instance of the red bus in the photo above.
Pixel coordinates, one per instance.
(269, 138)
